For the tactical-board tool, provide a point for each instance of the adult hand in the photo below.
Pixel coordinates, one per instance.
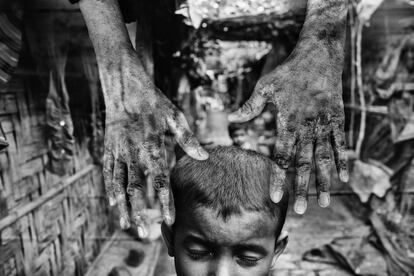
(137, 117)
(307, 93)
(136, 122)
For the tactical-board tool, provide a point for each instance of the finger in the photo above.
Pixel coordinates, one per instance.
(162, 186)
(277, 185)
(338, 142)
(284, 144)
(323, 164)
(108, 172)
(119, 182)
(303, 171)
(167, 205)
(184, 137)
(159, 177)
(251, 109)
(136, 192)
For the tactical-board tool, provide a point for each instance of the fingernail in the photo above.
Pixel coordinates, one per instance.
(277, 196)
(142, 232)
(124, 222)
(324, 199)
(168, 220)
(197, 153)
(232, 117)
(300, 206)
(112, 201)
(344, 176)
(202, 153)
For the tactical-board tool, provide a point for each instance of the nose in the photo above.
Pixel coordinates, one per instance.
(221, 267)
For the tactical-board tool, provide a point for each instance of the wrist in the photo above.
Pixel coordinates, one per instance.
(323, 34)
(325, 22)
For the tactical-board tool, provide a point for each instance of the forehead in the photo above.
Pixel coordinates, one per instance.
(235, 229)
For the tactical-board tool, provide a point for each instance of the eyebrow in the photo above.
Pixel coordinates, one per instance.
(193, 238)
(251, 247)
(239, 247)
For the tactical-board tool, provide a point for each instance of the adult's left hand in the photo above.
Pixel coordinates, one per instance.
(307, 93)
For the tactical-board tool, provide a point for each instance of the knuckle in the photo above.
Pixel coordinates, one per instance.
(324, 157)
(119, 172)
(309, 117)
(107, 157)
(160, 182)
(153, 149)
(343, 164)
(180, 117)
(133, 188)
(324, 118)
(282, 159)
(301, 193)
(277, 186)
(303, 165)
(108, 142)
(247, 108)
(341, 143)
(340, 155)
(187, 138)
(107, 172)
(263, 87)
(285, 142)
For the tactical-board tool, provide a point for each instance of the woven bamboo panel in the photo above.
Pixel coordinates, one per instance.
(49, 225)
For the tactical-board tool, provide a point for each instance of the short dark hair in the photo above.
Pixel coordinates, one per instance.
(230, 180)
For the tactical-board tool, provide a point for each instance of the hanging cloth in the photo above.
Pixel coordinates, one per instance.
(90, 68)
(10, 44)
(59, 124)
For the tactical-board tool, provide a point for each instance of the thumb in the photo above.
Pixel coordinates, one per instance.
(185, 138)
(251, 108)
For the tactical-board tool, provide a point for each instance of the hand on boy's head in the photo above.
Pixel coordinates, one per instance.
(203, 243)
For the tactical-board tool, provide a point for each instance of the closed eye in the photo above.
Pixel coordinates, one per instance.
(248, 261)
(198, 254)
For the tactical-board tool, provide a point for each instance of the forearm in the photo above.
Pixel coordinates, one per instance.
(107, 30)
(120, 70)
(324, 30)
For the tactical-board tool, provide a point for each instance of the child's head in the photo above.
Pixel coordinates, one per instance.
(238, 133)
(226, 223)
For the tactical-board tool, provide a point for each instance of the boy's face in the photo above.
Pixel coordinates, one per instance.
(203, 244)
(239, 136)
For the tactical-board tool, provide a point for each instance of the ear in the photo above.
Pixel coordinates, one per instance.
(168, 236)
(281, 244)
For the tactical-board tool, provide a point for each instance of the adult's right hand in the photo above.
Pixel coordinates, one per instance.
(137, 119)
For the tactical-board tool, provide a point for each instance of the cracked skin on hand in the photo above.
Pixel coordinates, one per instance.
(307, 92)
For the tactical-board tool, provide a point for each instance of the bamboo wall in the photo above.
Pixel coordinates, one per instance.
(49, 225)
